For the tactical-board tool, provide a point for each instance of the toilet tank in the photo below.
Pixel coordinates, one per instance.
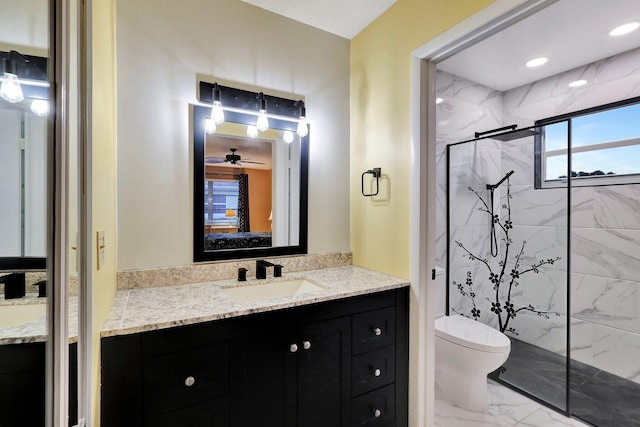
(441, 292)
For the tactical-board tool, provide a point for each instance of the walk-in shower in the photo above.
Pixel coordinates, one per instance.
(518, 259)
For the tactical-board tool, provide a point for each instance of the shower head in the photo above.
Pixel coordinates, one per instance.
(494, 186)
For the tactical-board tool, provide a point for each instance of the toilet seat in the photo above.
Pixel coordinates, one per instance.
(471, 334)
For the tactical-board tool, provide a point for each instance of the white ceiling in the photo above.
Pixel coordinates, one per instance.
(345, 18)
(571, 33)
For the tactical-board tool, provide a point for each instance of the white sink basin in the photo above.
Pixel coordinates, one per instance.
(17, 315)
(270, 290)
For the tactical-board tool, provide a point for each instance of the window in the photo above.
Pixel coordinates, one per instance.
(220, 196)
(605, 146)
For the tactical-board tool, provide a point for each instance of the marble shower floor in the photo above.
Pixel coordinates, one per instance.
(506, 408)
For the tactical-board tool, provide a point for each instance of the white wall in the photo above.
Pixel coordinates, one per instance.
(24, 26)
(162, 48)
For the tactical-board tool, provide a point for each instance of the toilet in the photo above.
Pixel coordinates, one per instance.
(465, 352)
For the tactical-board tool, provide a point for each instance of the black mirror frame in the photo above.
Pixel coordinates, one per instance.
(199, 254)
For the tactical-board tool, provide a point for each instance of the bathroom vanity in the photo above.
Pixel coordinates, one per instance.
(335, 357)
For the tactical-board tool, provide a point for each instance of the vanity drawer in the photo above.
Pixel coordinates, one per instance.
(377, 408)
(374, 329)
(173, 381)
(373, 370)
(214, 413)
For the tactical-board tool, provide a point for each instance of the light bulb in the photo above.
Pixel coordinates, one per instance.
(303, 128)
(263, 122)
(252, 131)
(536, 62)
(40, 107)
(209, 126)
(288, 136)
(11, 90)
(217, 113)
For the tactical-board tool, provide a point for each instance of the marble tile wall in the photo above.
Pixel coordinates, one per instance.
(605, 281)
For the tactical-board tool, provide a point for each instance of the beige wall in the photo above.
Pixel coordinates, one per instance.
(381, 137)
(103, 175)
(162, 47)
(380, 123)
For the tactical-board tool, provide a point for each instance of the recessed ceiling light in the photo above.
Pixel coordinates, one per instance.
(536, 62)
(577, 83)
(439, 100)
(624, 29)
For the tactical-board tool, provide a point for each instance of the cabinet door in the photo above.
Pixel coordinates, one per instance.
(214, 413)
(324, 374)
(263, 381)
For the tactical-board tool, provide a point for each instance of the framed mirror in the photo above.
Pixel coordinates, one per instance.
(250, 189)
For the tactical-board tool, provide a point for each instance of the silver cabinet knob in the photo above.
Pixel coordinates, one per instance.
(377, 372)
(377, 331)
(293, 348)
(306, 345)
(189, 381)
(377, 413)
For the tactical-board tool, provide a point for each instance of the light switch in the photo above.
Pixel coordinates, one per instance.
(101, 249)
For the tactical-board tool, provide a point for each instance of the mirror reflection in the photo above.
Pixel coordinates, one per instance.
(249, 188)
(243, 207)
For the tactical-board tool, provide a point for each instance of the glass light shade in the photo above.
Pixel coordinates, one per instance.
(10, 89)
(40, 107)
(288, 136)
(217, 113)
(303, 128)
(252, 131)
(263, 122)
(209, 126)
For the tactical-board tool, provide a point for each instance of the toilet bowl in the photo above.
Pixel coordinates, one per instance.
(465, 352)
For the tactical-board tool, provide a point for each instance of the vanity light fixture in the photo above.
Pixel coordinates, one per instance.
(285, 114)
(252, 131)
(536, 62)
(217, 113)
(263, 122)
(303, 128)
(578, 83)
(624, 29)
(10, 89)
(210, 126)
(439, 100)
(288, 136)
(40, 107)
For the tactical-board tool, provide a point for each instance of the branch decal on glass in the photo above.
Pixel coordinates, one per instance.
(503, 307)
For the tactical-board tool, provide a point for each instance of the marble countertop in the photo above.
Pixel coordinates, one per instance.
(36, 329)
(152, 308)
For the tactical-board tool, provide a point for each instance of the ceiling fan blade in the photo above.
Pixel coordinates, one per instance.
(212, 160)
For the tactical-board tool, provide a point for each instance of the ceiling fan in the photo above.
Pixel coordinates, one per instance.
(232, 158)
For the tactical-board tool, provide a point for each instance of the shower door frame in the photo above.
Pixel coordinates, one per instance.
(490, 135)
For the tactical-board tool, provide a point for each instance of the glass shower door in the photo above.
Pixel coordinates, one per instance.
(508, 256)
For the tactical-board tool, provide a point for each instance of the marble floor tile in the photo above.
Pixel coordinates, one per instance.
(506, 408)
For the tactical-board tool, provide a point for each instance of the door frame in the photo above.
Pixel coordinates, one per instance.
(487, 22)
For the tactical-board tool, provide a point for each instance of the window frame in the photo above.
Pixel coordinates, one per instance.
(540, 182)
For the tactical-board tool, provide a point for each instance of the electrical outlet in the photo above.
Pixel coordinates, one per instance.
(101, 249)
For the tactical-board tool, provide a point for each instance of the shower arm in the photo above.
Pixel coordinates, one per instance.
(493, 187)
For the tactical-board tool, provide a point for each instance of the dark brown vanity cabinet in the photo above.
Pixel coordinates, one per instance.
(341, 363)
